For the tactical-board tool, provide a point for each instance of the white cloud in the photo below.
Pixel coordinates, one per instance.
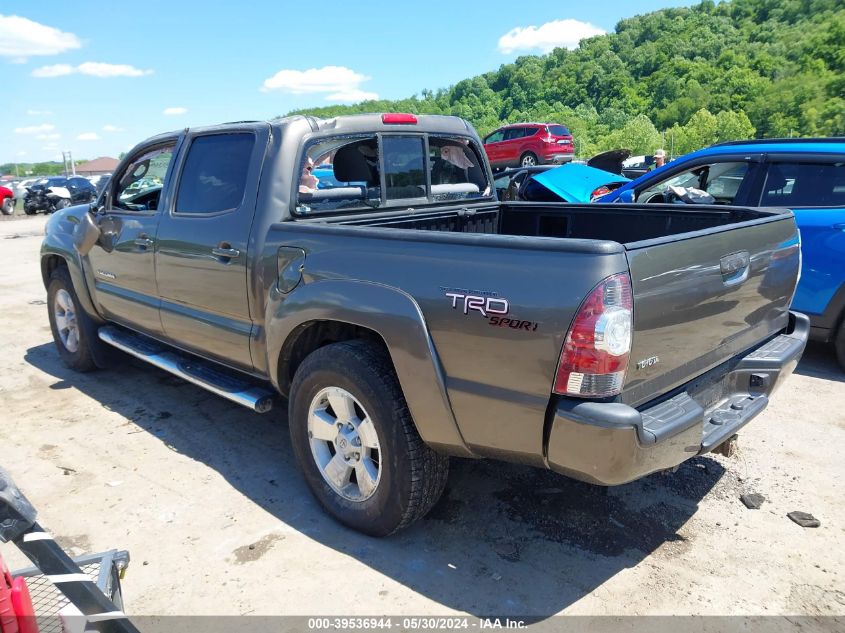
(548, 36)
(21, 38)
(21, 153)
(88, 136)
(112, 128)
(93, 69)
(340, 83)
(175, 111)
(39, 112)
(48, 137)
(35, 129)
(56, 70)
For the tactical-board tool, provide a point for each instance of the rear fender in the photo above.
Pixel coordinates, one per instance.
(393, 315)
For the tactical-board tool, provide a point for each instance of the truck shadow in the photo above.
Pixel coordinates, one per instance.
(819, 361)
(503, 540)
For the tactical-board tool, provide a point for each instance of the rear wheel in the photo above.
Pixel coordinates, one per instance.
(355, 442)
(8, 207)
(528, 159)
(66, 323)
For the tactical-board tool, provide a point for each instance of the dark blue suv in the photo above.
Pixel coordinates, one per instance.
(805, 175)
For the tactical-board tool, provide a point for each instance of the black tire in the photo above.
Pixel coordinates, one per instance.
(839, 344)
(8, 207)
(81, 358)
(412, 476)
(528, 159)
(30, 211)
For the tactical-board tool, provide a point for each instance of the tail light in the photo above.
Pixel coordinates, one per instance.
(595, 354)
(600, 191)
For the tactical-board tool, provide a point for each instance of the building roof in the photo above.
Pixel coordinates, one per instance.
(101, 164)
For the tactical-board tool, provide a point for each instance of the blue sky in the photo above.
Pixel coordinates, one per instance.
(96, 77)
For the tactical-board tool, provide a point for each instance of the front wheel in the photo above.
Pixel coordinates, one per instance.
(529, 159)
(66, 318)
(839, 344)
(61, 204)
(355, 441)
(8, 207)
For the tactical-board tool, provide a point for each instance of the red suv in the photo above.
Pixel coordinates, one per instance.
(527, 144)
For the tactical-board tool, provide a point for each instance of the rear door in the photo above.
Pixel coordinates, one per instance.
(814, 188)
(700, 299)
(203, 243)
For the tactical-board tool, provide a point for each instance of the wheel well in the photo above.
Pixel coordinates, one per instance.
(313, 335)
(48, 265)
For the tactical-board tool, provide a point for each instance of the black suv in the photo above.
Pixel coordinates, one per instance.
(79, 188)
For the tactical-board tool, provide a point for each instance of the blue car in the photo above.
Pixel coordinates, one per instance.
(805, 175)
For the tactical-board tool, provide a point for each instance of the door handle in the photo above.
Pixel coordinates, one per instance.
(143, 242)
(225, 253)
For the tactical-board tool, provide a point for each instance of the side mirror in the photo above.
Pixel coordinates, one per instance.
(86, 234)
(627, 196)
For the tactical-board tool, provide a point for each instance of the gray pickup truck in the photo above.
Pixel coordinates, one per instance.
(362, 268)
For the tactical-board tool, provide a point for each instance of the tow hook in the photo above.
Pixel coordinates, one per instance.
(729, 447)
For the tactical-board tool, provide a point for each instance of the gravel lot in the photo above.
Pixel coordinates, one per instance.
(207, 500)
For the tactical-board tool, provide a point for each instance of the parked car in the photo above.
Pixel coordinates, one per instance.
(7, 201)
(805, 175)
(529, 144)
(37, 199)
(636, 166)
(20, 188)
(569, 183)
(414, 316)
(507, 181)
(99, 181)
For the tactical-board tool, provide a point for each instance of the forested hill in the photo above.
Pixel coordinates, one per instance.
(711, 72)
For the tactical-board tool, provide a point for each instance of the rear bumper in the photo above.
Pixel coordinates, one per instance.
(556, 155)
(611, 443)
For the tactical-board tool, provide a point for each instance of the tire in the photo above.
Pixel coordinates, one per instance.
(528, 159)
(839, 344)
(67, 323)
(409, 476)
(61, 204)
(30, 211)
(8, 207)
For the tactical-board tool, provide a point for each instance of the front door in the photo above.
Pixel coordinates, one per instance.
(122, 262)
(203, 243)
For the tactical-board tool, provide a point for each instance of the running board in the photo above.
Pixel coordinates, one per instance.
(197, 372)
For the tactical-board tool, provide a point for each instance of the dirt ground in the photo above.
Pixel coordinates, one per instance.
(206, 498)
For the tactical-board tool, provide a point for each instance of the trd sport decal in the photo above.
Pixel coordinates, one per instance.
(489, 305)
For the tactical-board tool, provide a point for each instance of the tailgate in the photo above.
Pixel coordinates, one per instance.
(701, 298)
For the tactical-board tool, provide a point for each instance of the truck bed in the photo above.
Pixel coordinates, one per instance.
(625, 225)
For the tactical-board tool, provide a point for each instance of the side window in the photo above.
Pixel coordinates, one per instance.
(495, 137)
(514, 133)
(404, 174)
(340, 173)
(804, 185)
(720, 180)
(214, 176)
(456, 170)
(138, 187)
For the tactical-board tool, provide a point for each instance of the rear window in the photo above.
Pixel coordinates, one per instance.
(348, 172)
(558, 130)
(214, 176)
(804, 185)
